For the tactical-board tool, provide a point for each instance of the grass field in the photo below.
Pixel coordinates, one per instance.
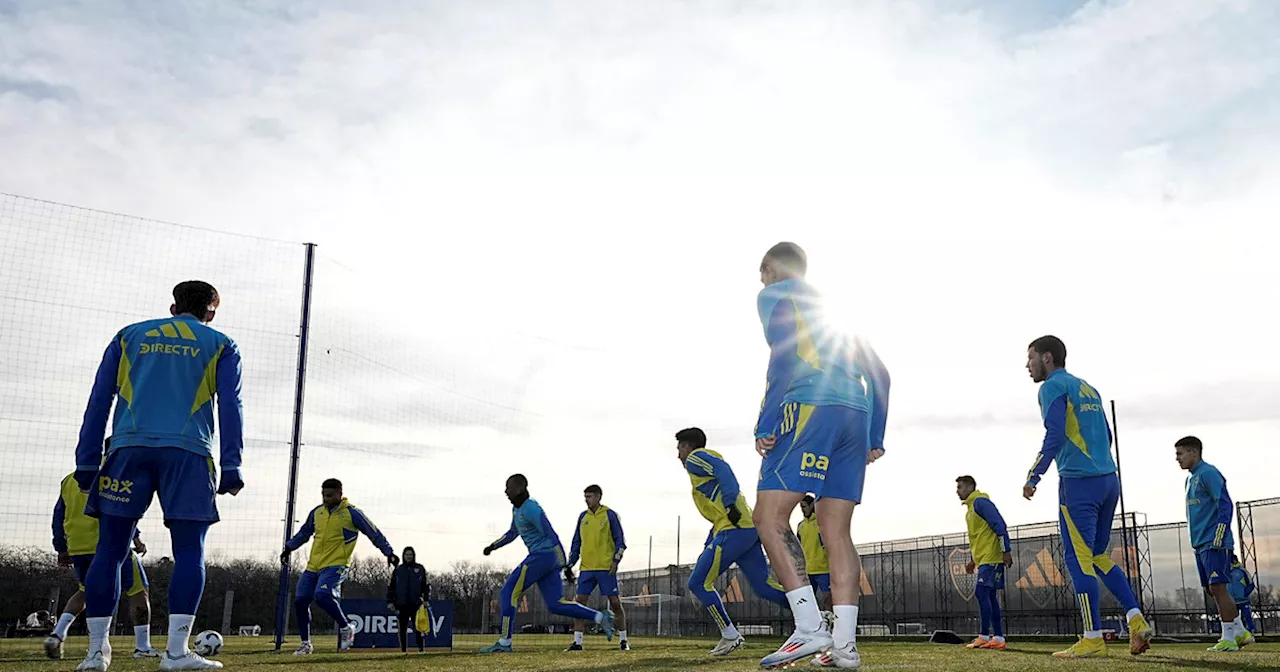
(536, 653)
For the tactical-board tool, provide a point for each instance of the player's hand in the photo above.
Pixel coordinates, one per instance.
(734, 515)
(64, 559)
(86, 479)
(874, 454)
(393, 560)
(284, 556)
(568, 574)
(231, 484)
(139, 547)
(488, 550)
(613, 569)
(1028, 491)
(765, 444)
(970, 566)
(1008, 559)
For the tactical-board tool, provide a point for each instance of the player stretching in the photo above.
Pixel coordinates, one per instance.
(600, 542)
(75, 538)
(336, 524)
(821, 422)
(1209, 518)
(1078, 438)
(542, 567)
(816, 564)
(167, 373)
(732, 538)
(990, 551)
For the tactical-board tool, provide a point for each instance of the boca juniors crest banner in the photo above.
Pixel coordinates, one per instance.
(377, 628)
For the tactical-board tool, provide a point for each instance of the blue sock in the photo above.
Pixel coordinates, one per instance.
(1116, 582)
(187, 585)
(331, 606)
(997, 621)
(102, 581)
(984, 609)
(1246, 617)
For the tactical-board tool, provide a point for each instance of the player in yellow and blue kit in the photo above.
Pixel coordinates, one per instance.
(75, 538)
(1078, 438)
(991, 553)
(821, 423)
(542, 567)
(732, 538)
(600, 542)
(1210, 514)
(336, 525)
(1241, 589)
(167, 374)
(816, 564)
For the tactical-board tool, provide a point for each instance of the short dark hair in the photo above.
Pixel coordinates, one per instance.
(195, 297)
(519, 480)
(594, 490)
(967, 480)
(1190, 442)
(786, 257)
(331, 484)
(1052, 345)
(808, 499)
(693, 436)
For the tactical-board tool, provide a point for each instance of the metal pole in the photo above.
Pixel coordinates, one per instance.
(304, 336)
(678, 542)
(1124, 514)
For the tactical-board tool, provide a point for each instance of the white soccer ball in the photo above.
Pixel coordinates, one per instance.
(208, 643)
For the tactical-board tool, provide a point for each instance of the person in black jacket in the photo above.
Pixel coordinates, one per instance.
(407, 592)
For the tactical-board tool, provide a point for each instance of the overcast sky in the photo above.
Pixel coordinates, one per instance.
(540, 225)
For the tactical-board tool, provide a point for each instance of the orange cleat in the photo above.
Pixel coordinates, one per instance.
(998, 646)
(978, 643)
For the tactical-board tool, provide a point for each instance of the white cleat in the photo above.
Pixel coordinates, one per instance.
(346, 638)
(305, 650)
(53, 647)
(191, 661)
(799, 645)
(846, 658)
(97, 661)
(147, 653)
(727, 646)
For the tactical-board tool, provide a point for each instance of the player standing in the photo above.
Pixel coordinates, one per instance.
(1210, 514)
(600, 543)
(542, 567)
(821, 423)
(1241, 588)
(75, 538)
(732, 538)
(336, 525)
(990, 551)
(816, 564)
(1078, 438)
(166, 373)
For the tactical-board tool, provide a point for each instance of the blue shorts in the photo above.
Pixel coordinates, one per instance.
(991, 576)
(599, 578)
(329, 579)
(133, 578)
(132, 475)
(1214, 565)
(821, 583)
(820, 450)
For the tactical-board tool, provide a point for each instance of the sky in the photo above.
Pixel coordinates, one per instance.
(539, 226)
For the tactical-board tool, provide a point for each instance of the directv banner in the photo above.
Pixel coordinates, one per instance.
(377, 628)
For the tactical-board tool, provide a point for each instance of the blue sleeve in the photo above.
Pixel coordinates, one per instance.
(619, 539)
(1055, 433)
(94, 427)
(778, 318)
(710, 534)
(507, 538)
(726, 484)
(368, 529)
(59, 533)
(575, 548)
(304, 533)
(877, 389)
(989, 513)
(230, 407)
(1217, 487)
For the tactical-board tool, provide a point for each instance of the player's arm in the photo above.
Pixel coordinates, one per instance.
(94, 427)
(391, 589)
(877, 377)
(777, 315)
(724, 485)
(1217, 487)
(505, 539)
(575, 548)
(987, 511)
(60, 532)
(619, 539)
(1053, 404)
(368, 529)
(230, 418)
(304, 533)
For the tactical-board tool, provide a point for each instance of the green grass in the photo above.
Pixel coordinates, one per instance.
(536, 653)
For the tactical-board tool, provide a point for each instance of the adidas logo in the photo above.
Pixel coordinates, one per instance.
(176, 329)
(1042, 572)
(803, 601)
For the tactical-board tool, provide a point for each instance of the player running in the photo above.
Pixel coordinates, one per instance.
(75, 538)
(732, 538)
(1078, 438)
(542, 567)
(816, 564)
(821, 423)
(990, 551)
(167, 374)
(1210, 514)
(600, 543)
(336, 525)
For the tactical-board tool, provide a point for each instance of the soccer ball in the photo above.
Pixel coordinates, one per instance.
(208, 643)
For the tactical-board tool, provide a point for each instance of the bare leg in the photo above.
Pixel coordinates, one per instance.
(140, 608)
(1226, 606)
(773, 523)
(834, 519)
(75, 605)
(619, 614)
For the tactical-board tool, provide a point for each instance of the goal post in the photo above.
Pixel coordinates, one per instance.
(650, 601)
